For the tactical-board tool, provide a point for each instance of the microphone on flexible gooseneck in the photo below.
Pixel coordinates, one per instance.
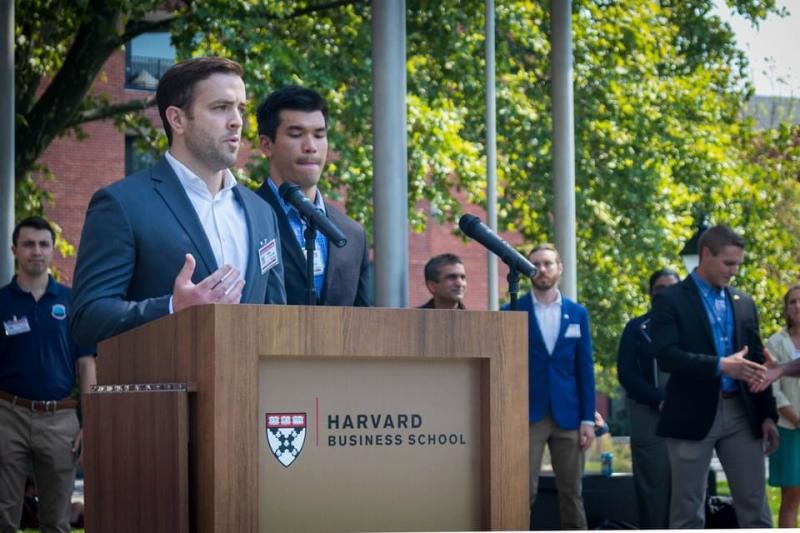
(293, 196)
(477, 230)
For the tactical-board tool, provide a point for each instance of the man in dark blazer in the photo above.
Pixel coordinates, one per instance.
(706, 336)
(292, 125)
(644, 387)
(446, 280)
(182, 233)
(561, 385)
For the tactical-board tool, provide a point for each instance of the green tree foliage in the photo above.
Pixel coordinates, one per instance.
(660, 138)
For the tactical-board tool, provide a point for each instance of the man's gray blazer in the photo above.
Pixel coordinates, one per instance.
(135, 237)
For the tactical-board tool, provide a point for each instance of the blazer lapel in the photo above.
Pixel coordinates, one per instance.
(171, 191)
(336, 255)
(696, 299)
(738, 313)
(531, 308)
(289, 244)
(565, 318)
(253, 265)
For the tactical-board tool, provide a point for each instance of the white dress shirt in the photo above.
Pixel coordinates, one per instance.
(548, 316)
(221, 215)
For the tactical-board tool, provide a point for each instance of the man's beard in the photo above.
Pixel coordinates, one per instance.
(544, 284)
(214, 155)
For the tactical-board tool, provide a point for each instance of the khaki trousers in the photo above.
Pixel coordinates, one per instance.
(567, 459)
(742, 459)
(44, 440)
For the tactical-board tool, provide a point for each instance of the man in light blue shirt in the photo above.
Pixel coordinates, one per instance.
(293, 131)
(299, 227)
(705, 334)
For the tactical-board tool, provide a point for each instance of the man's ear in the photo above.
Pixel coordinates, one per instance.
(430, 285)
(176, 118)
(265, 143)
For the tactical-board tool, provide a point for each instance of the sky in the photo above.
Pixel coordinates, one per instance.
(773, 49)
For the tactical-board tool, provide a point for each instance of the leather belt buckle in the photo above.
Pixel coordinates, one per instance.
(39, 406)
(43, 406)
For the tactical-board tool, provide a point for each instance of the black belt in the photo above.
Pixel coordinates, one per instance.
(727, 395)
(39, 406)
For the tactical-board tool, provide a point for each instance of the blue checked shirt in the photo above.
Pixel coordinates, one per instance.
(720, 316)
(299, 226)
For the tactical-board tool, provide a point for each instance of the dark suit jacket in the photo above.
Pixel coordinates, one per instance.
(636, 364)
(347, 269)
(134, 239)
(685, 348)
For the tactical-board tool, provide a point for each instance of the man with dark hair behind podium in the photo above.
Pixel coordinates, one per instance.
(293, 132)
(446, 280)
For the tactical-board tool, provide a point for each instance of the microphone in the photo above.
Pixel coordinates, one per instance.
(293, 196)
(475, 229)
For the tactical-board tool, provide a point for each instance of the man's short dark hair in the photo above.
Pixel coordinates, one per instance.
(176, 87)
(434, 265)
(34, 222)
(291, 97)
(657, 274)
(717, 238)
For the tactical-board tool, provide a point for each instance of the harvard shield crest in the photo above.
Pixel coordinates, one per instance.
(286, 434)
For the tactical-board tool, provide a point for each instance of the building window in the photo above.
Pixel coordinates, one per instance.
(147, 57)
(135, 158)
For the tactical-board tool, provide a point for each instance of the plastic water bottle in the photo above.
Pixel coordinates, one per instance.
(607, 464)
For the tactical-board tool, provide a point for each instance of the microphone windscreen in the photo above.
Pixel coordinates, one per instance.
(467, 222)
(286, 189)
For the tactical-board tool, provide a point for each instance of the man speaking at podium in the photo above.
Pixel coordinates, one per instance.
(182, 233)
(293, 128)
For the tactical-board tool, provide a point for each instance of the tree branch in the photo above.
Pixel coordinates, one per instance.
(322, 7)
(139, 27)
(95, 40)
(103, 112)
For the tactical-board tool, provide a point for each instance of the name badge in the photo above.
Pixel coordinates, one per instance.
(573, 331)
(319, 266)
(16, 326)
(268, 256)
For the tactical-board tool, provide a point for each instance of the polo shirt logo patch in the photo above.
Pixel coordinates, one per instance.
(59, 311)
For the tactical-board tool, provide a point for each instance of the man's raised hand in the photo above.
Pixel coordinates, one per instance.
(223, 287)
(774, 372)
(737, 367)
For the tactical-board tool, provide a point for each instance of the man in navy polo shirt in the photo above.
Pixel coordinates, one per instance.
(38, 420)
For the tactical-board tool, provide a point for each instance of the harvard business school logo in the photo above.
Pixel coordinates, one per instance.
(286, 434)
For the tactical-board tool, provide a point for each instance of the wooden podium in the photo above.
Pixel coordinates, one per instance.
(175, 440)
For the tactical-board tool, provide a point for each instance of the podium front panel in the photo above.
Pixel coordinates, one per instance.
(372, 444)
